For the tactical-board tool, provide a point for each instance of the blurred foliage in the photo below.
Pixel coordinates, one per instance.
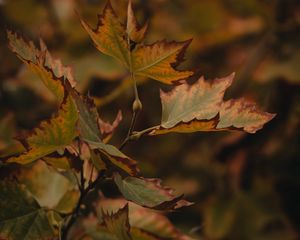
(246, 186)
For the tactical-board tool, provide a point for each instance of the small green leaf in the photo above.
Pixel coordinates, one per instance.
(149, 193)
(21, 217)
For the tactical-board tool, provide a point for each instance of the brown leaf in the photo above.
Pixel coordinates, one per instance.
(118, 223)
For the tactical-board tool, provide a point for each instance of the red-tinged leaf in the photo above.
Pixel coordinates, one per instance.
(40, 61)
(52, 135)
(149, 193)
(107, 129)
(158, 61)
(200, 107)
(109, 36)
(118, 223)
(134, 31)
(56, 66)
(145, 219)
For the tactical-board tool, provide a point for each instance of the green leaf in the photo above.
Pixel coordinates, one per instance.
(149, 193)
(90, 133)
(21, 217)
(118, 223)
(200, 107)
(51, 135)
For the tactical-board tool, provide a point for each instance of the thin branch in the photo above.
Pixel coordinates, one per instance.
(76, 210)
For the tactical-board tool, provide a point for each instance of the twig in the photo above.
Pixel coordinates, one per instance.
(76, 211)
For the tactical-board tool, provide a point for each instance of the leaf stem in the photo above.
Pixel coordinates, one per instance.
(137, 105)
(136, 135)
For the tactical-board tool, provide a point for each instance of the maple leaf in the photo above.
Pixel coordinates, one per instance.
(148, 192)
(118, 223)
(52, 135)
(21, 217)
(40, 61)
(156, 61)
(110, 35)
(200, 107)
(134, 31)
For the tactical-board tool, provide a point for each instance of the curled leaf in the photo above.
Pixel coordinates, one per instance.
(149, 193)
(200, 107)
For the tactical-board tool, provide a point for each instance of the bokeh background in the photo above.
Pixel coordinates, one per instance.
(245, 186)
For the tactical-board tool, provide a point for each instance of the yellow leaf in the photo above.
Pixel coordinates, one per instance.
(157, 61)
(51, 135)
(40, 61)
(110, 35)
